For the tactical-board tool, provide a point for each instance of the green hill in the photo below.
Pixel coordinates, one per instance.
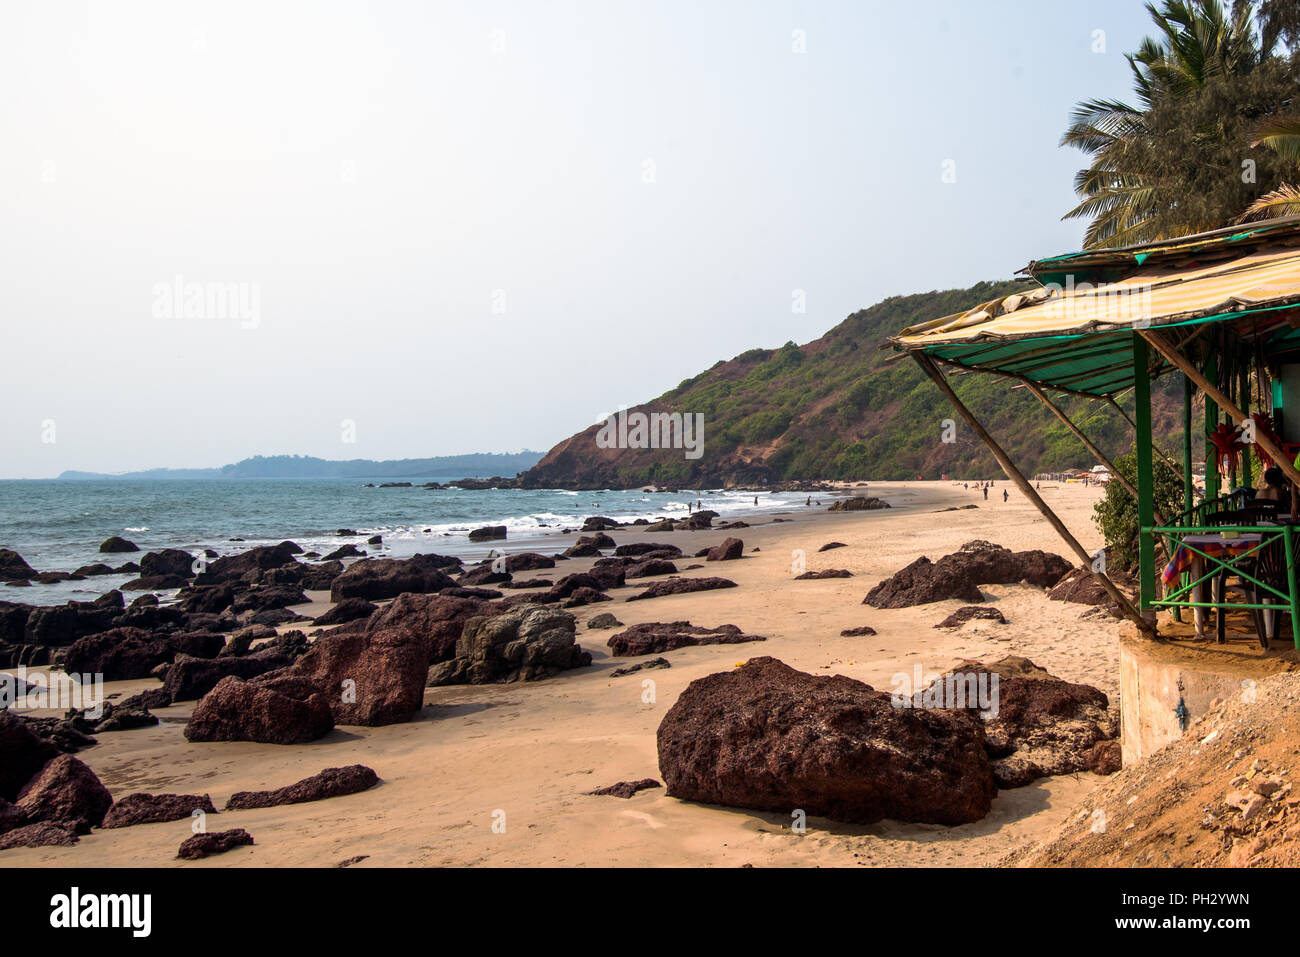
(834, 409)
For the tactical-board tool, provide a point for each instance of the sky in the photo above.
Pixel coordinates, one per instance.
(388, 229)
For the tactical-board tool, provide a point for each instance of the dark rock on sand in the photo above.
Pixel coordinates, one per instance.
(633, 549)
(604, 620)
(143, 808)
(123, 654)
(825, 573)
(650, 665)
(375, 676)
(377, 578)
(584, 596)
(115, 545)
(599, 523)
(522, 644)
(488, 533)
(216, 842)
(271, 709)
(1043, 725)
(680, 586)
(859, 632)
(729, 550)
(858, 503)
(66, 792)
(968, 612)
(41, 834)
(921, 583)
(990, 564)
(625, 789)
(349, 609)
(768, 737)
(484, 574)
(656, 636)
(528, 561)
(437, 619)
(332, 782)
(829, 545)
(649, 568)
(189, 679)
(487, 594)
(22, 754)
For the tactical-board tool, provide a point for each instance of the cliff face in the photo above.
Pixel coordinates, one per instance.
(834, 409)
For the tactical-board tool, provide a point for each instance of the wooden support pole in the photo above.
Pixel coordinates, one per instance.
(1097, 453)
(1188, 499)
(1022, 483)
(1213, 394)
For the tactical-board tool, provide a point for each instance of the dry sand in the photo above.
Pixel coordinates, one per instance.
(525, 753)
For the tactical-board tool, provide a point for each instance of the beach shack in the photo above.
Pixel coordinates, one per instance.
(1220, 310)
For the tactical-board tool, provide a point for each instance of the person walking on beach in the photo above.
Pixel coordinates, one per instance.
(808, 501)
(690, 507)
(986, 493)
(755, 499)
(1005, 496)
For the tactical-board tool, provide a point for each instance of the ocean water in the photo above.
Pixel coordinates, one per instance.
(59, 525)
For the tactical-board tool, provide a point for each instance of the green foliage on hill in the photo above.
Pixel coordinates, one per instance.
(835, 409)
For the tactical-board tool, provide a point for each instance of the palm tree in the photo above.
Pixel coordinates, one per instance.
(1124, 191)
(1282, 135)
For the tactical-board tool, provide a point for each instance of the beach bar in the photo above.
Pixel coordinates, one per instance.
(1220, 310)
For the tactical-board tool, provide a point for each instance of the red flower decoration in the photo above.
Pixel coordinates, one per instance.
(1227, 447)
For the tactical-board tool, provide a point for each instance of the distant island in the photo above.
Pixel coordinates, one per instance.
(474, 465)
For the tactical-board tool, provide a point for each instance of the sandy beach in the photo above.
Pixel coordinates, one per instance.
(526, 753)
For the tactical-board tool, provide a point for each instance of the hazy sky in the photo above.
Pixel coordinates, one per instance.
(477, 226)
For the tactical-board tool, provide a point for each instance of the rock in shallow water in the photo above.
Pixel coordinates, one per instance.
(768, 737)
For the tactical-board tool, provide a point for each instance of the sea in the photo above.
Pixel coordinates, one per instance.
(58, 525)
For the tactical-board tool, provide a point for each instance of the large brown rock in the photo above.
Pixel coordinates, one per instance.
(729, 550)
(247, 566)
(921, 583)
(123, 654)
(216, 842)
(13, 567)
(22, 754)
(115, 544)
(653, 637)
(523, 644)
(1042, 725)
(768, 737)
(66, 792)
(377, 578)
(858, 503)
(168, 561)
(680, 586)
(271, 709)
(990, 564)
(332, 782)
(143, 808)
(375, 676)
(349, 609)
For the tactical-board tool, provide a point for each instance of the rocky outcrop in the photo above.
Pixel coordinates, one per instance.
(1041, 725)
(824, 573)
(378, 578)
(528, 561)
(437, 619)
(144, 808)
(768, 737)
(858, 503)
(169, 561)
(625, 789)
(216, 842)
(650, 638)
(332, 782)
(22, 754)
(488, 533)
(349, 609)
(41, 834)
(681, 586)
(921, 583)
(972, 613)
(522, 644)
(374, 676)
(116, 545)
(958, 575)
(189, 679)
(66, 792)
(729, 550)
(247, 566)
(271, 709)
(122, 654)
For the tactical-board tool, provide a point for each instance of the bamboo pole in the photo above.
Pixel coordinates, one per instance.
(1022, 483)
(1214, 394)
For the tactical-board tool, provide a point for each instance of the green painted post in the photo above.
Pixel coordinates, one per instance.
(1145, 476)
(1211, 420)
(1289, 545)
(1187, 444)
